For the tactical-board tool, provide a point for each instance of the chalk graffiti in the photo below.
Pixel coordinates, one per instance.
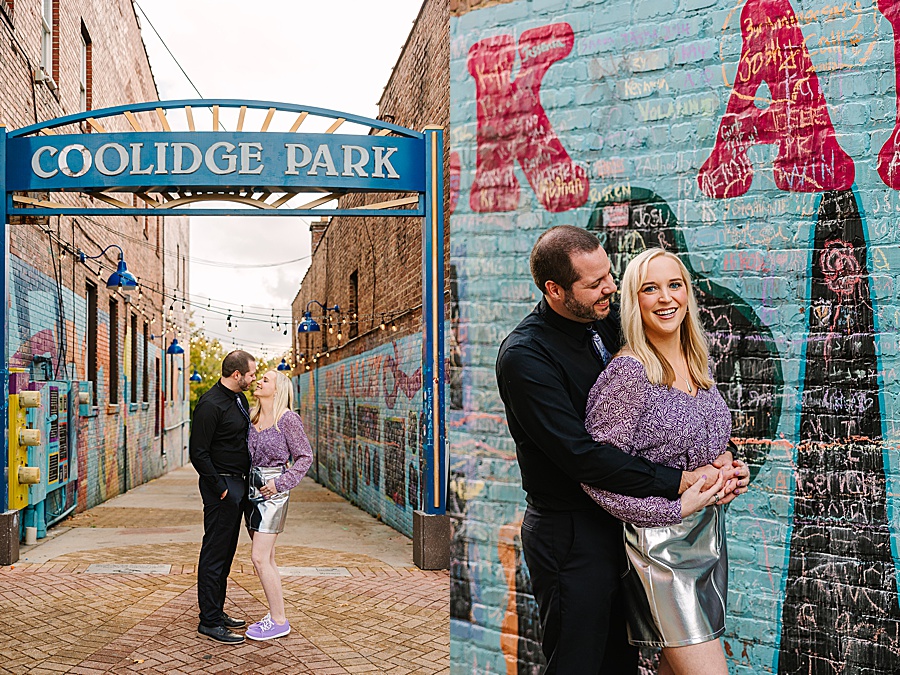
(743, 352)
(365, 429)
(513, 126)
(809, 159)
(840, 611)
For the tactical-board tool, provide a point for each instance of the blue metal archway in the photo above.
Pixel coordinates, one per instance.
(159, 152)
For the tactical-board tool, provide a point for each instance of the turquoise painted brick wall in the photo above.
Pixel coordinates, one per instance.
(38, 327)
(758, 140)
(362, 418)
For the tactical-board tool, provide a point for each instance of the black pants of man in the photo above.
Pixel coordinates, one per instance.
(576, 560)
(221, 529)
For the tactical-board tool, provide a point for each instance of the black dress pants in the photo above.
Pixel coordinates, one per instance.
(576, 560)
(221, 529)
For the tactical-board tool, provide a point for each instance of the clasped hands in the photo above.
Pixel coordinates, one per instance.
(716, 483)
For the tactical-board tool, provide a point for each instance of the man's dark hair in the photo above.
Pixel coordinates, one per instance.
(551, 257)
(238, 360)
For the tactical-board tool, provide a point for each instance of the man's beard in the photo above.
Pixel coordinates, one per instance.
(582, 311)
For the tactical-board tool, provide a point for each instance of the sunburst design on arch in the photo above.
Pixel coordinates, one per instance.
(229, 115)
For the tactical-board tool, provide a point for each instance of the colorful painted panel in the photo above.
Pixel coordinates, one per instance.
(758, 140)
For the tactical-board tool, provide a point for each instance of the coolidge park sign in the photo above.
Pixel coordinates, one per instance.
(204, 159)
(170, 169)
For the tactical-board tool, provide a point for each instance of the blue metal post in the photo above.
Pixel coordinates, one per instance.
(4, 323)
(434, 455)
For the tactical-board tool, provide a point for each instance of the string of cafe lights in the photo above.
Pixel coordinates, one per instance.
(234, 313)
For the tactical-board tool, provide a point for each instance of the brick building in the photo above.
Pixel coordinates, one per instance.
(758, 140)
(59, 57)
(360, 392)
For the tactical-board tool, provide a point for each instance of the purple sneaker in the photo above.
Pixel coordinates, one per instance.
(266, 629)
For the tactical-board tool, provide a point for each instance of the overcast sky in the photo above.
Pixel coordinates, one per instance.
(336, 54)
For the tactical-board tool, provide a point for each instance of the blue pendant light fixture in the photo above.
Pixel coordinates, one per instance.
(308, 324)
(121, 278)
(283, 365)
(175, 348)
(195, 376)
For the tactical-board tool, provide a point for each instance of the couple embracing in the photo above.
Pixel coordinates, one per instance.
(622, 440)
(243, 456)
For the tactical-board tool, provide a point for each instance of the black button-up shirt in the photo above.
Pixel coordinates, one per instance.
(219, 435)
(545, 370)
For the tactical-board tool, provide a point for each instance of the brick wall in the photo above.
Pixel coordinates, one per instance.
(385, 254)
(119, 445)
(758, 141)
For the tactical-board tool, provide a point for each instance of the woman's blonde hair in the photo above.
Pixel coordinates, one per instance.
(693, 338)
(284, 398)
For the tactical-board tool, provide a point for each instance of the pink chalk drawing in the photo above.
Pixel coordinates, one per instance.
(513, 126)
(809, 159)
(889, 157)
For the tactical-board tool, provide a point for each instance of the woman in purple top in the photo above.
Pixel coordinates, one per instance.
(656, 399)
(276, 437)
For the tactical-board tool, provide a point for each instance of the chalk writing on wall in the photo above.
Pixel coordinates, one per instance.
(795, 117)
(745, 360)
(840, 611)
(513, 126)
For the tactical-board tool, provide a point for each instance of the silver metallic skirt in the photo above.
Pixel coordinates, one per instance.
(677, 581)
(262, 514)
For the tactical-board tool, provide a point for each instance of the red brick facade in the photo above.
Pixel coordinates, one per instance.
(123, 443)
(384, 253)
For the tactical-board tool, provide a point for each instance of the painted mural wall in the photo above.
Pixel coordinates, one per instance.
(759, 139)
(362, 417)
(116, 450)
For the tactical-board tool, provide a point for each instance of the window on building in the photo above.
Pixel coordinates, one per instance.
(91, 346)
(134, 358)
(47, 37)
(86, 70)
(170, 381)
(354, 305)
(146, 379)
(113, 367)
(157, 405)
(6, 7)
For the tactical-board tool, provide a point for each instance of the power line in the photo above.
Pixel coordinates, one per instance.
(150, 23)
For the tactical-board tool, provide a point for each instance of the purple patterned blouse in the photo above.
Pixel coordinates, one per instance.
(274, 447)
(662, 424)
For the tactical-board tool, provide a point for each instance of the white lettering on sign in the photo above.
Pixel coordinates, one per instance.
(178, 151)
(103, 167)
(382, 162)
(356, 161)
(350, 166)
(86, 160)
(36, 162)
(293, 164)
(161, 157)
(323, 160)
(220, 158)
(251, 152)
(231, 160)
(136, 169)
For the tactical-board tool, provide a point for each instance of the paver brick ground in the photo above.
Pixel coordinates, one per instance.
(56, 617)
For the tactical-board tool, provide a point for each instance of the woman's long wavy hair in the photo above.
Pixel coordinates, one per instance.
(284, 398)
(693, 338)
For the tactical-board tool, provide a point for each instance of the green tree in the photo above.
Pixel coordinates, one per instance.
(206, 359)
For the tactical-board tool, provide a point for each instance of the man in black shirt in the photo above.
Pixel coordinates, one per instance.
(218, 450)
(573, 548)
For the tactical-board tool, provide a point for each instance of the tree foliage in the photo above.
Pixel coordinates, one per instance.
(206, 358)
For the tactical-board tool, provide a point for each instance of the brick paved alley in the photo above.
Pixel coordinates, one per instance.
(84, 601)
